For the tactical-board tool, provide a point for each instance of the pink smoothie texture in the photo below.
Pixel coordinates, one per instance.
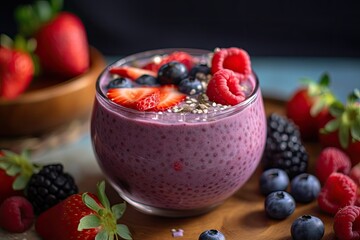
(154, 160)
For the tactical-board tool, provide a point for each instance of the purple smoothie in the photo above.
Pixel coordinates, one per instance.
(173, 164)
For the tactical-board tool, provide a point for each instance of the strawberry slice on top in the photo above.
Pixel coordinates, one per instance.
(169, 97)
(142, 98)
(131, 72)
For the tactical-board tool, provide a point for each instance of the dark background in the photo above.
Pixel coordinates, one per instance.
(264, 28)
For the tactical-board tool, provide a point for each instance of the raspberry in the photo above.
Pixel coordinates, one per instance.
(347, 223)
(224, 88)
(235, 59)
(16, 214)
(331, 160)
(339, 191)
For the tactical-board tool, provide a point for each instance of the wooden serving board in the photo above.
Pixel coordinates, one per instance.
(241, 217)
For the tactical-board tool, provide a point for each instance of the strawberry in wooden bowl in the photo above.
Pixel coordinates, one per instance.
(59, 82)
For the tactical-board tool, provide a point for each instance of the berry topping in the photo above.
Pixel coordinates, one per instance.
(212, 234)
(234, 59)
(16, 214)
(284, 148)
(199, 68)
(305, 188)
(131, 72)
(224, 88)
(172, 73)
(142, 98)
(120, 82)
(347, 223)
(307, 227)
(272, 180)
(339, 191)
(49, 187)
(169, 97)
(279, 205)
(331, 160)
(147, 80)
(355, 174)
(178, 56)
(191, 86)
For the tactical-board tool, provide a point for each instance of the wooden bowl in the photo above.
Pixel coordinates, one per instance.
(51, 103)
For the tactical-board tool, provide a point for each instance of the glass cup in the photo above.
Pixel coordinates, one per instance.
(177, 164)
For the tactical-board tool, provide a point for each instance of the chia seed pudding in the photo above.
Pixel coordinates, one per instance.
(183, 161)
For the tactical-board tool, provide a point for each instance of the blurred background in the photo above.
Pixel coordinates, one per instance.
(287, 40)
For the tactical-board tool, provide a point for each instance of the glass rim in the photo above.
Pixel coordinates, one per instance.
(151, 53)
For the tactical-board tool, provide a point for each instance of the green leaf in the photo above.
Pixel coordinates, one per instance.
(13, 170)
(20, 182)
(123, 231)
(354, 96)
(324, 80)
(20, 43)
(90, 202)
(102, 195)
(317, 107)
(332, 125)
(336, 109)
(102, 235)
(344, 135)
(56, 5)
(6, 41)
(118, 210)
(88, 222)
(5, 165)
(43, 10)
(355, 130)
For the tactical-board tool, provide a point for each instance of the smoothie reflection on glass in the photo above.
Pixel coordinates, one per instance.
(179, 162)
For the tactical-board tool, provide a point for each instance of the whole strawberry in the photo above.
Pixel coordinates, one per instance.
(83, 216)
(62, 45)
(15, 172)
(309, 103)
(341, 127)
(16, 67)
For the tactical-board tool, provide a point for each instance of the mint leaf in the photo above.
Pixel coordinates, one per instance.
(123, 231)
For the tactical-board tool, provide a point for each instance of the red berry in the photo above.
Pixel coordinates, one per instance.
(234, 59)
(16, 214)
(331, 160)
(178, 56)
(131, 72)
(355, 174)
(224, 88)
(347, 223)
(339, 191)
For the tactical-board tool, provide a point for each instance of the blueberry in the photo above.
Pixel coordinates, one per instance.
(172, 73)
(191, 86)
(307, 227)
(147, 80)
(273, 179)
(279, 205)
(199, 68)
(211, 235)
(120, 83)
(305, 188)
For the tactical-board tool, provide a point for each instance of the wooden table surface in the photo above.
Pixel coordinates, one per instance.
(240, 217)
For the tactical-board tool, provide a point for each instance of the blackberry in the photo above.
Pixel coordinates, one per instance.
(48, 187)
(284, 148)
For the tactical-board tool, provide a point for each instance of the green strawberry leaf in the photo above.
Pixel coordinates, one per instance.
(13, 170)
(4, 165)
(88, 222)
(317, 108)
(332, 125)
(355, 129)
(43, 10)
(20, 182)
(344, 135)
(102, 195)
(336, 109)
(6, 41)
(324, 80)
(90, 202)
(118, 210)
(123, 231)
(102, 235)
(56, 5)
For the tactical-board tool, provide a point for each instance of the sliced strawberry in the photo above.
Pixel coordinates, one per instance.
(235, 59)
(178, 56)
(131, 72)
(224, 88)
(142, 98)
(169, 97)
